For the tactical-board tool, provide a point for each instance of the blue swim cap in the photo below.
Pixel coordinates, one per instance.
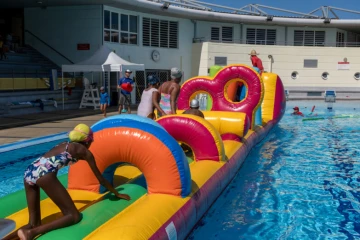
(152, 80)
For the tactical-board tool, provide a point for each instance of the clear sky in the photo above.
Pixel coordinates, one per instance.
(305, 6)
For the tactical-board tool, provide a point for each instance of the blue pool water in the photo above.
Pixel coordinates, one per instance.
(301, 182)
(13, 164)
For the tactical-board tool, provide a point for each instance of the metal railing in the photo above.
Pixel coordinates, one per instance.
(47, 45)
(279, 43)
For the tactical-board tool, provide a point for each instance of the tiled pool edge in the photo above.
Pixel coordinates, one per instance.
(33, 141)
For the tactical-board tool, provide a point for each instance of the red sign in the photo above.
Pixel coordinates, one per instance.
(343, 66)
(83, 46)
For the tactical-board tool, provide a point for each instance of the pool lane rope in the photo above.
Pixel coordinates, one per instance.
(333, 117)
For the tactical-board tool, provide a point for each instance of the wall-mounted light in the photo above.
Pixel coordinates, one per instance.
(269, 18)
(165, 6)
(327, 20)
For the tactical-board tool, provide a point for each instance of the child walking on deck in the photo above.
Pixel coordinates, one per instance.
(104, 100)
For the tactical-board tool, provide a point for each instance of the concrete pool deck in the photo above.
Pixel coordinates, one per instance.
(17, 128)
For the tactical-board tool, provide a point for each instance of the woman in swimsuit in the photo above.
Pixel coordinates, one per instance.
(169, 91)
(42, 173)
(150, 99)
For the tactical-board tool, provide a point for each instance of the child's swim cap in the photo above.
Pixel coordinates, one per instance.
(81, 133)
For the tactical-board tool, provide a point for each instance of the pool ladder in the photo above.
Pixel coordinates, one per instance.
(330, 98)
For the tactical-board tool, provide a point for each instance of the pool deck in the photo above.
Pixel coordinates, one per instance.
(17, 128)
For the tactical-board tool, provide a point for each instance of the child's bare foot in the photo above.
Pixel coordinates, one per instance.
(23, 234)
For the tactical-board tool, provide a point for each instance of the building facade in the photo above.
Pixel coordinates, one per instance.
(303, 56)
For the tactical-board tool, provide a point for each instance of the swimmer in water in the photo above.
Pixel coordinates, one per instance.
(297, 112)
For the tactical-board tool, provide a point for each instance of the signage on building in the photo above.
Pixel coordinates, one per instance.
(343, 66)
(83, 46)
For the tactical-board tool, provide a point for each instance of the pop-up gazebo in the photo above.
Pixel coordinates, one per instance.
(103, 60)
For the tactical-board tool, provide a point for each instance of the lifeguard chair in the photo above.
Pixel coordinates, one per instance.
(330, 98)
(91, 96)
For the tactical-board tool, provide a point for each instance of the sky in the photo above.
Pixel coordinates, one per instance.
(304, 6)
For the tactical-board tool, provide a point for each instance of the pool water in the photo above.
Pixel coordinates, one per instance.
(13, 164)
(301, 182)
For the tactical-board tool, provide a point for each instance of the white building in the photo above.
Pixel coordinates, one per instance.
(307, 51)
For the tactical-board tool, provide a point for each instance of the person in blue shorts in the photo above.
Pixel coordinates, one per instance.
(124, 94)
(104, 100)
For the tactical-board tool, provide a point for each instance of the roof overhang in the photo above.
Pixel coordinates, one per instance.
(157, 7)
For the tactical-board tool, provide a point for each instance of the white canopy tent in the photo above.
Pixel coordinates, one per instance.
(103, 60)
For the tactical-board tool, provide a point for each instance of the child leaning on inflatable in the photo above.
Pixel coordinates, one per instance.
(42, 173)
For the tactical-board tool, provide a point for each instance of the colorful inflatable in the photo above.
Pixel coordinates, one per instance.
(170, 191)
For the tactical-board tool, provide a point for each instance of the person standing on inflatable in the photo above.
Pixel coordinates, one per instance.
(150, 99)
(169, 92)
(125, 86)
(256, 62)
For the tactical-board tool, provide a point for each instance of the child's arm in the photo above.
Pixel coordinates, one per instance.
(108, 97)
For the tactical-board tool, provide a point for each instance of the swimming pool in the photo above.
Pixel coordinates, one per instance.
(13, 162)
(301, 182)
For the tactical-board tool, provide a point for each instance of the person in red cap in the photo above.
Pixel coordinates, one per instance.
(256, 61)
(297, 112)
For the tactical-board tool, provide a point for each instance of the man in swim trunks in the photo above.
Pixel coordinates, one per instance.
(297, 112)
(194, 109)
(169, 91)
(124, 95)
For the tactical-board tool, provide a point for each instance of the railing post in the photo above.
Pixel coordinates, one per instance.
(12, 74)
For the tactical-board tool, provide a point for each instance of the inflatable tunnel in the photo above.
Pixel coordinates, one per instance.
(140, 142)
(217, 86)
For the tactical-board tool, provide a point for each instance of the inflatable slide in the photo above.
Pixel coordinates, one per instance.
(170, 190)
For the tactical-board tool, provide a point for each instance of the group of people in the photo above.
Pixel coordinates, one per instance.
(42, 173)
(161, 97)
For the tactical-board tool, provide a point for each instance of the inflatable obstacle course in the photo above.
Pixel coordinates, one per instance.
(169, 191)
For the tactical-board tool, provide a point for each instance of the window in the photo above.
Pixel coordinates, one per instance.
(309, 38)
(261, 36)
(114, 21)
(126, 32)
(221, 61)
(340, 39)
(357, 76)
(294, 75)
(325, 75)
(129, 29)
(223, 34)
(160, 33)
(310, 63)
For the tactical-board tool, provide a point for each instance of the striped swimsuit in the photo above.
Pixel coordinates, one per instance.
(165, 103)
